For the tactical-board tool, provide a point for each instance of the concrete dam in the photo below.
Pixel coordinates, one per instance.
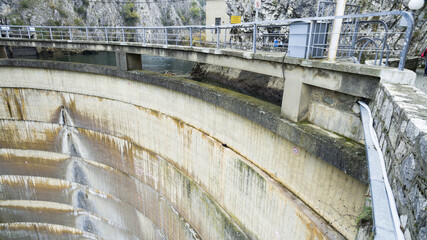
(94, 152)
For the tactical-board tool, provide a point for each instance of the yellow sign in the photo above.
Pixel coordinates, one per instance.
(236, 19)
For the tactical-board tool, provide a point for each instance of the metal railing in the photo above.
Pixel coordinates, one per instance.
(271, 36)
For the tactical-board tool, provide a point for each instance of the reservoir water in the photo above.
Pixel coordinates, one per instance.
(149, 63)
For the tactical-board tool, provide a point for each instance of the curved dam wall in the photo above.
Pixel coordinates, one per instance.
(94, 152)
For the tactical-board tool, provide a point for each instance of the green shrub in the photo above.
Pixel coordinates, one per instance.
(25, 4)
(365, 217)
(62, 13)
(17, 21)
(129, 14)
(78, 22)
(51, 22)
(82, 11)
(195, 12)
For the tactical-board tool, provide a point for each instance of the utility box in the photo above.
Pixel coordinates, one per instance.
(298, 39)
(299, 35)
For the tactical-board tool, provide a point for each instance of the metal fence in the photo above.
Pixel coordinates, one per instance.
(364, 36)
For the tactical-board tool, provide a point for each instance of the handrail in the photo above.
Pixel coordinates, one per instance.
(252, 28)
(386, 218)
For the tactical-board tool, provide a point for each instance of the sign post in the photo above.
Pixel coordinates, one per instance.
(257, 6)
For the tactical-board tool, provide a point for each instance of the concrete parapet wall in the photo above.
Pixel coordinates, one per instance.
(400, 120)
(222, 163)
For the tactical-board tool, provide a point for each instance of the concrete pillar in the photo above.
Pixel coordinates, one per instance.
(3, 52)
(296, 95)
(128, 61)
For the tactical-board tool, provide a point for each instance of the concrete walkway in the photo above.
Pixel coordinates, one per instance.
(421, 81)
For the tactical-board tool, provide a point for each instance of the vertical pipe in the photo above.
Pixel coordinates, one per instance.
(353, 42)
(336, 31)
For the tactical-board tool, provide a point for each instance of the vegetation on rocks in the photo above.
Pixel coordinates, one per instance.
(129, 14)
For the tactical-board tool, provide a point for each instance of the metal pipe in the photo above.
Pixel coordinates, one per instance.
(386, 219)
(408, 34)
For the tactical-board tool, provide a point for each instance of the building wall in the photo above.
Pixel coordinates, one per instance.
(400, 120)
(216, 9)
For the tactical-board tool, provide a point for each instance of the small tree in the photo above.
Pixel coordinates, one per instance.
(129, 14)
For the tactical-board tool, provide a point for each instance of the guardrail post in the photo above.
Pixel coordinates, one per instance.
(123, 34)
(106, 34)
(28, 31)
(225, 38)
(217, 38)
(166, 36)
(200, 37)
(20, 33)
(71, 34)
(7, 32)
(310, 35)
(50, 31)
(87, 34)
(254, 39)
(144, 40)
(191, 37)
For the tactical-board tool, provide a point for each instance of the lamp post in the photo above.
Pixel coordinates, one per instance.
(415, 4)
(336, 30)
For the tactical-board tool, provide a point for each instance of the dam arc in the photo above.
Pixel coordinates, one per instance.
(228, 142)
(21, 143)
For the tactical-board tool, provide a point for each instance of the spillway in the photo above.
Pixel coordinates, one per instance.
(92, 152)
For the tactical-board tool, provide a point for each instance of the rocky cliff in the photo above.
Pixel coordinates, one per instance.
(285, 9)
(103, 12)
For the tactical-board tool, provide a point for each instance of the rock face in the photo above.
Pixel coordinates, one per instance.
(286, 9)
(102, 13)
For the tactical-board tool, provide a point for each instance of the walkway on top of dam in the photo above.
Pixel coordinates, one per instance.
(300, 38)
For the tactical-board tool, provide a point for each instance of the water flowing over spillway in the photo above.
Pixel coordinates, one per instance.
(93, 156)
